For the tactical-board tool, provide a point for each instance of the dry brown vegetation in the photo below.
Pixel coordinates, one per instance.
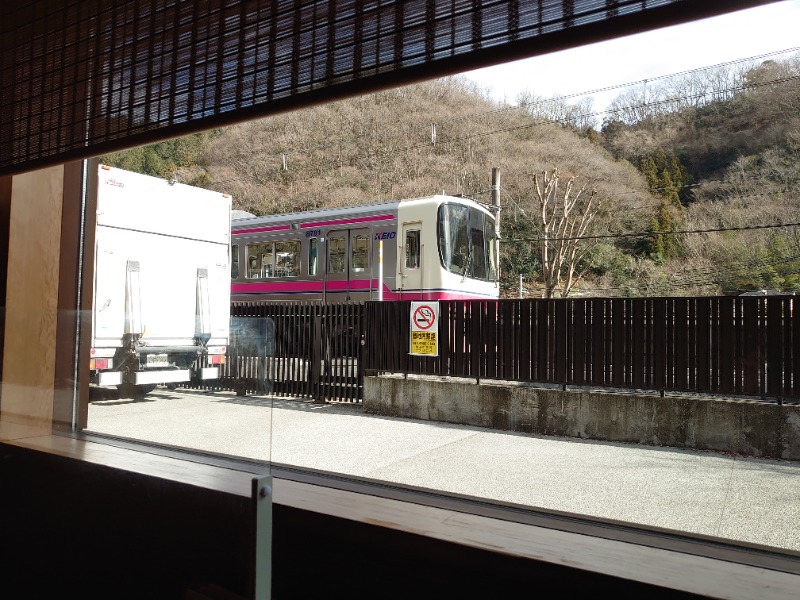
(730, 140)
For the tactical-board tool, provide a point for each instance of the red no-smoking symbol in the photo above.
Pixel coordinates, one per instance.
(424, 317)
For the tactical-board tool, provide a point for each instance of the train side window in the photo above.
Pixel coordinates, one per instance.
(412, 249)
(360, 258)
(478, 253)
(337, 254)
(235, 261)
(312, 256)
(260, 260)
(268, 261)
(287, 257)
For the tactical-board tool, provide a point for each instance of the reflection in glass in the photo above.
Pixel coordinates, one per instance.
(360, 252)
(412, 249)
(312, 256)
(234, 261)
(337, 254)
(288, 258)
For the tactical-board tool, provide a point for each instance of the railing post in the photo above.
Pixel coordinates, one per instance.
(261, 541)
(560, 341)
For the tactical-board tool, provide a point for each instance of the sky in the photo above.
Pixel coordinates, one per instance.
(742, 34)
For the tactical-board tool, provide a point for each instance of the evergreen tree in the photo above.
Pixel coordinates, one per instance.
(662, 243)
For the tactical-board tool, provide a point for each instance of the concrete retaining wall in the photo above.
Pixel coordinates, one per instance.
(739, 426)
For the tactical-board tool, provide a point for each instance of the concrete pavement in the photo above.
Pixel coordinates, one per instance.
(755, 501)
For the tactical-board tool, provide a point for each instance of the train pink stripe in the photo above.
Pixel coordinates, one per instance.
(346, 221)
(262, 229)
(276, 287)
(356, 286)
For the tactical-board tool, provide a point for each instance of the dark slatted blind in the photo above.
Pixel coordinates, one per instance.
(81, 77)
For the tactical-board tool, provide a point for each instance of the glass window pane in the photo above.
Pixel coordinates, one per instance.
(235, 261)
(360, 252)
(454, 238)
(312, 256)
(260, 260)
(477, 248)
(337, 255)
(287, 256)
(412, 249)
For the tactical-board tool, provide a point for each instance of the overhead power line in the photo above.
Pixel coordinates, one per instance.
(439, 141)
(648, 233)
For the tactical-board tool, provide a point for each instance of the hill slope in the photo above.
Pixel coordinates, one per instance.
(714, 165)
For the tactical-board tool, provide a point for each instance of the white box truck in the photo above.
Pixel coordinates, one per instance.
(161, 309)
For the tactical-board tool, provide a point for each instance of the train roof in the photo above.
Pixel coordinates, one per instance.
(243, 218)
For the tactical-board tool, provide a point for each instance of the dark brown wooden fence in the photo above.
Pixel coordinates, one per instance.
(293, 349)
(746, 346)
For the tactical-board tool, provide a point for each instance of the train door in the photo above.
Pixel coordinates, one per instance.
(410, 259)
(348, 269)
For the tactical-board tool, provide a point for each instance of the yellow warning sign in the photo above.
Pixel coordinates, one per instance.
(424, 342)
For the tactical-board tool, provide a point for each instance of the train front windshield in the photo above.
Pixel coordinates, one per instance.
(467, 242)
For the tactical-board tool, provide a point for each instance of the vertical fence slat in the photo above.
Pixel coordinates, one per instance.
(681, 343)
(559, 341)
(638, 349)
(726, 345)
(524, 342)
(508, 360)
(691, 341)
(659, 319)
(444, 339)
(775, 355)
(795, 364)
(475, 322)
(702, 355)
(617, 341)
(490, 326)
(460, 341)
(750, 348)
(598, 343)
(578, 328)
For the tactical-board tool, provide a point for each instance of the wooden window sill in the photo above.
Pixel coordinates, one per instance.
(687, 566)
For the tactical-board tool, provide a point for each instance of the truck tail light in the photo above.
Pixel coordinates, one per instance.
(100, 363)
(217, 359)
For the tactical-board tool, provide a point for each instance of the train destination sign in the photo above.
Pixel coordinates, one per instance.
(425, 328)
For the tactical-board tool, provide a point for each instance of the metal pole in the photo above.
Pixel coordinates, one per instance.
(380, 270)
(261, 543)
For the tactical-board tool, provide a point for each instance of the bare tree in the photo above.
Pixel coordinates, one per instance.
(563, 219)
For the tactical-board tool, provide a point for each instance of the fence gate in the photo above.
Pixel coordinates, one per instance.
(305, 350)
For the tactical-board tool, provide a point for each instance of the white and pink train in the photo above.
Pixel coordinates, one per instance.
(434, 248)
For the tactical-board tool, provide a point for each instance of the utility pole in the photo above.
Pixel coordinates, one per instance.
(496, 208)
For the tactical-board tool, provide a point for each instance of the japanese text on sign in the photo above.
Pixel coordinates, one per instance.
(425, 328)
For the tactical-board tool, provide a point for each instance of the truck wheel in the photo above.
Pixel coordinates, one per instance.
(136, 392)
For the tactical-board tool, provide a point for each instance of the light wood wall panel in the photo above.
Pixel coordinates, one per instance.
(26, 395)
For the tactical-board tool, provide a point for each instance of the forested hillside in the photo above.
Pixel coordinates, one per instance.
(689, 187)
